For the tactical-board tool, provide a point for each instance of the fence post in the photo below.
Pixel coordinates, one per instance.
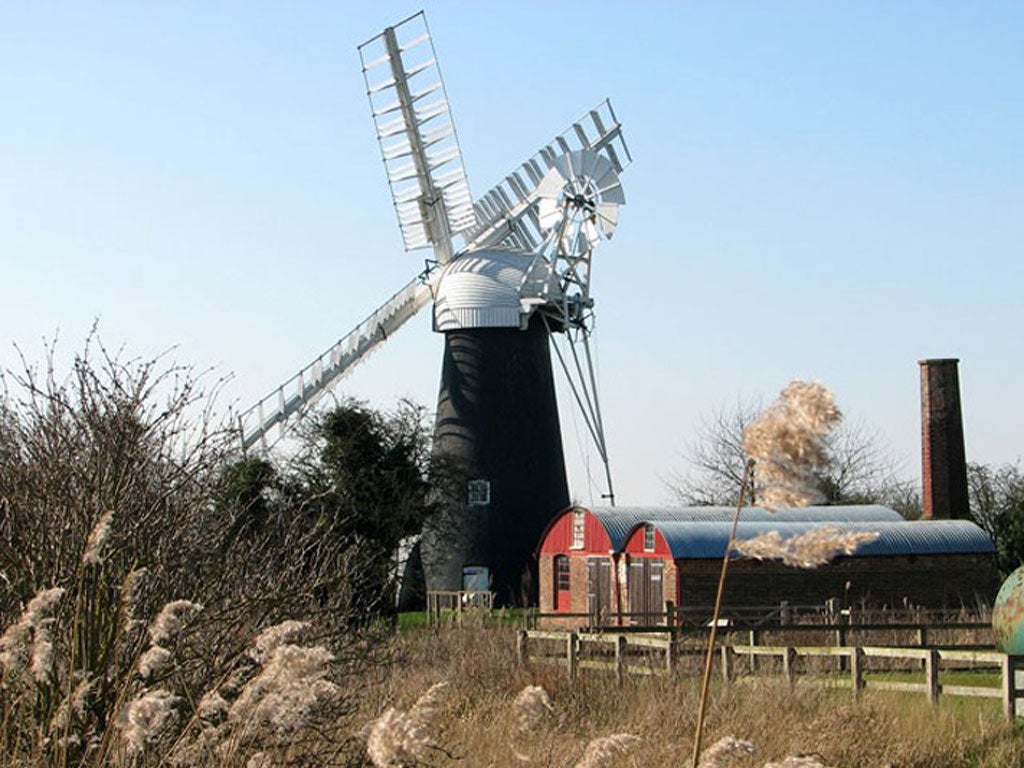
(832, 609)
(841, 636)
(670, 613)
(670, 654)
(752, 637)
(521, 637)
(620, 658)
(922, 637)
(571, 649)
(726, 663)
(788, 657)
(1009, 686)
(857, 671)
(931, 672)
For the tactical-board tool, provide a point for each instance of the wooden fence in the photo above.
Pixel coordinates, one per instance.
(456, 604)
(894, 633)
(627, 654)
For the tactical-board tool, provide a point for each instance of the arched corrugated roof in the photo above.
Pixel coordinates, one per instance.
(620, 521)
(702, 539)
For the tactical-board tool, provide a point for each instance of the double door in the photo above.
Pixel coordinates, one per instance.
(646, 591)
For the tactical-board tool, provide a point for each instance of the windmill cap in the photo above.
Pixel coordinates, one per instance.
(481, 289)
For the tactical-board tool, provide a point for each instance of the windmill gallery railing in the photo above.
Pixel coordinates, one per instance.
(857, 668)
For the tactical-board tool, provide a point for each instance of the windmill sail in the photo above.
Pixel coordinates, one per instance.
(417, 137)
(507, 216)
(308, 385)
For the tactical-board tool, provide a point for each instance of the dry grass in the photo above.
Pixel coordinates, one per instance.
(457, 697)
(479, 721)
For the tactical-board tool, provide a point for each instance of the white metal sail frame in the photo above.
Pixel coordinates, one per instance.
(578, 207)
(418, 142)
(507, 214)
(420, 150)
(306, 387)
(514, 225)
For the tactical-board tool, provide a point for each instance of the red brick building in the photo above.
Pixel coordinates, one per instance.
(617, 566)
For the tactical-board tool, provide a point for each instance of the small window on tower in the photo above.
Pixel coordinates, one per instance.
(648, 538)
(579, 526)
(479, 493)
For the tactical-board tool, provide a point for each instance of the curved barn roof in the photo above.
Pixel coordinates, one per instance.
(702, 539)
(619, 522)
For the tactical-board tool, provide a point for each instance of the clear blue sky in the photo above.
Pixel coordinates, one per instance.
(823, 190)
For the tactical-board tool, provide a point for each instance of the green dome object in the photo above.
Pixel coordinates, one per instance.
(1008, 614)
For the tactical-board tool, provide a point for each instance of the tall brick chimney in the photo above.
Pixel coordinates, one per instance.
(944, 461)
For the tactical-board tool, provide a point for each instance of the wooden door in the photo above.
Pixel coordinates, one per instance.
(646, 591)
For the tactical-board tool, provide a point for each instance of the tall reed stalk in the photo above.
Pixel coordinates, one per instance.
(713, 635)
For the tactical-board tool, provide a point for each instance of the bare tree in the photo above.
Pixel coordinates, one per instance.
(715, 457)
(997, 505)
(860, 469)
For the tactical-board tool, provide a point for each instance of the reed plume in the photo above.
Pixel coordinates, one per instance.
(42, 651)
(291, 685)
(787, 441)
(259, 760)
(153, 660)
(401, 738)
(530, 706)
(169, 622)
(93, 553)
(146, 718)
(212, 707)
(26, 644)
(130, 601)
(270, 639)
(806, 550)
(798, 762)
(601, 751)
(727, 751)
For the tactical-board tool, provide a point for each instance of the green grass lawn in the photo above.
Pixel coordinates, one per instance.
(981, 678)
(512, 617)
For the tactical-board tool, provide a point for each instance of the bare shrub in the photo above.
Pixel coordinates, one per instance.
(110, 523)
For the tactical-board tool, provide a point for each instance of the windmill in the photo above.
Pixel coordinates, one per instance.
(508, 271)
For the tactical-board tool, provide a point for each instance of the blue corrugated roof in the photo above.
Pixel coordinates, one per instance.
(620, 521)
(702, 539)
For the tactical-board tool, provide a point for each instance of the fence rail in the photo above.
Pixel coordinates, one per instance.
(630, 654)
(916, 634)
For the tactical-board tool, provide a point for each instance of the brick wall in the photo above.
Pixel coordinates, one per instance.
(546, 577)
(930, 581)
(933, 581)
(578, 602)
